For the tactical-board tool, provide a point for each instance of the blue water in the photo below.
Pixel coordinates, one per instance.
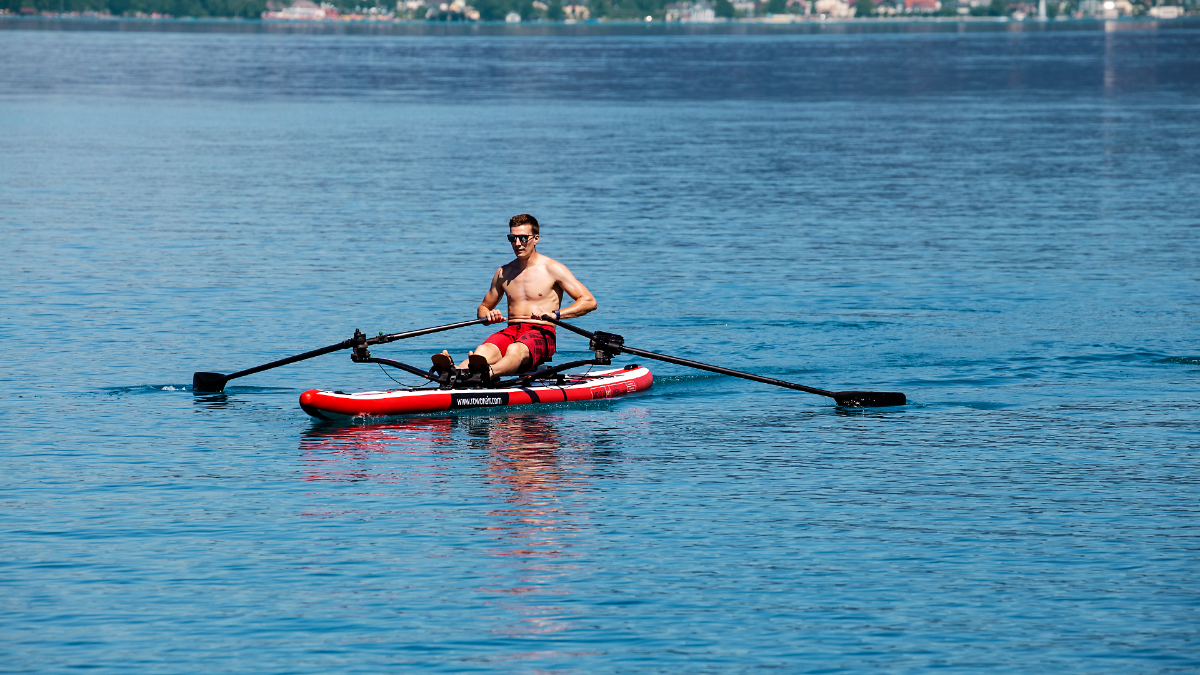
(999, 221)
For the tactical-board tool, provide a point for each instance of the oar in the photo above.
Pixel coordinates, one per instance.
(215, 382)
(848, 399)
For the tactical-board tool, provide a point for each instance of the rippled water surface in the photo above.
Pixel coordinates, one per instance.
(1000, 222)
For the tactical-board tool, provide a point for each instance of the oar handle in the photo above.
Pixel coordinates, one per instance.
(587, 334)
(619, 348)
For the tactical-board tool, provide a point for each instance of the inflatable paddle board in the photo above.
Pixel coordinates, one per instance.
(337, 405)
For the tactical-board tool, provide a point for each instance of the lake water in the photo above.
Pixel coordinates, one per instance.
(998, 220)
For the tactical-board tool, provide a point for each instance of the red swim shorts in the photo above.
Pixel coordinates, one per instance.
(538, 338)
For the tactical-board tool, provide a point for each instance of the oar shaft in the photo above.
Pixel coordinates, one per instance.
(344, 344)
(347, 344)
(384, 339)
(574, 329)
(724, 371)
(692, 364)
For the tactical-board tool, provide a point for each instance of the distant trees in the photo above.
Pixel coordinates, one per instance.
(197, 8)
(492, 10)
(489, 10)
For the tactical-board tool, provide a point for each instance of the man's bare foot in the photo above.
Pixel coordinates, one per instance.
(442, 362)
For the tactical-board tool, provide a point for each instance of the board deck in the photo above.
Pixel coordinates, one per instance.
(332, 405)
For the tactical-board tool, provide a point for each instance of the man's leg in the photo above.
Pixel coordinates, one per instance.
(488, 351)
(513, 361)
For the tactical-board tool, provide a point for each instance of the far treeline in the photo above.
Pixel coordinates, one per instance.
(529, 10)
(251, 9)
(489, 10)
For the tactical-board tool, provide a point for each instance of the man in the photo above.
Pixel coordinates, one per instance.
(534, 285)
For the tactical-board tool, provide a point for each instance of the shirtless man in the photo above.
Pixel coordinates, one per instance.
(535, 285)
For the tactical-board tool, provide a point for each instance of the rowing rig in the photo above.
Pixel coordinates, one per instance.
(604, 345)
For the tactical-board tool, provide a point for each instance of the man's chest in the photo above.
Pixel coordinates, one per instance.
(528, 285)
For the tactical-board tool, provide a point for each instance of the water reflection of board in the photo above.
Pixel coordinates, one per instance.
(333, 405)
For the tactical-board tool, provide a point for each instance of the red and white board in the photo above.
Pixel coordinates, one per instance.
(332, 405)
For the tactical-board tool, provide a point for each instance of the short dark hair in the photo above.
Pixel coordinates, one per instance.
(523, 219)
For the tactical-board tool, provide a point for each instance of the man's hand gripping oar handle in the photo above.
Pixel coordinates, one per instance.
(849, 399)
(215, 382)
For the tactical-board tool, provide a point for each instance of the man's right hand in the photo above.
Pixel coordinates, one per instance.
(493, 316)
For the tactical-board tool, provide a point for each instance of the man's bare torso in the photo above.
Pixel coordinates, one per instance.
(533, 286)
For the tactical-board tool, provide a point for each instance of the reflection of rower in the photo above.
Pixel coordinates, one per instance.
(534, 285)
(535, 484)
(524, 454)
(535, 509)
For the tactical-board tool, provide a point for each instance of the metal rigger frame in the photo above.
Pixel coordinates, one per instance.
(605, 346)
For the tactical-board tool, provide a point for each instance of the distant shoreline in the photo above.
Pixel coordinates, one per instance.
(869, 25)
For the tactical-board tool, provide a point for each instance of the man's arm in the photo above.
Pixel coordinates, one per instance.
(487, 308)
(584, 300)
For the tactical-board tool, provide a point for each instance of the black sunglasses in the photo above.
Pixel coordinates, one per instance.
(512, 238)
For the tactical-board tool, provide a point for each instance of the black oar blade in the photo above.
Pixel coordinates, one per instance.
(208, 382)
(869, 399)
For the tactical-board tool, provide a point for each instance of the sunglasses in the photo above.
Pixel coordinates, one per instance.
(524, 238)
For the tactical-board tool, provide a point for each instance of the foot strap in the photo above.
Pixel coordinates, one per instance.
(479, 366)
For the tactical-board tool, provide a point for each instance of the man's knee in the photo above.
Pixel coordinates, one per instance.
(518, 352)
(490, 352)
(513, 360)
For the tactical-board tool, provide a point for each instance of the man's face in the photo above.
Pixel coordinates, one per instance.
(523, 249)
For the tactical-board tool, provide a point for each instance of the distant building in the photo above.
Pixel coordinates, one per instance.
(1104, 9)
(834, 9)
(700, 12)
(1021, 10)
(452, 11)
(577, 13)
(1166, 12)
(922, 6)
(303, 10)
(512, 17)
(1117, 8)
